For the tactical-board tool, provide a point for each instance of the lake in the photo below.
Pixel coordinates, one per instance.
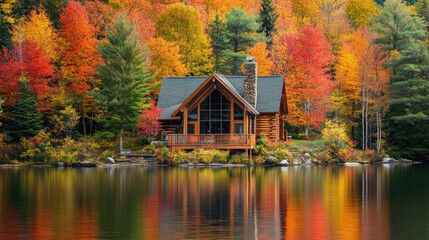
(312, 202)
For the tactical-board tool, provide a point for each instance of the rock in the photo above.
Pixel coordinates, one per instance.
(284, 162)
(110, 160)
(60, 164)
(389, 160)
(307, 155)
(271, 160)
(403, 160)
(187, 162)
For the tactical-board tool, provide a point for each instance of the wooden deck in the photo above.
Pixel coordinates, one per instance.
(211, 141)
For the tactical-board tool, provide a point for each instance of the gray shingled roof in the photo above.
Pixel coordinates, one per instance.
(175, 90)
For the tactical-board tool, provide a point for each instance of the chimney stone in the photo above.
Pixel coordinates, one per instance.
(250, 81)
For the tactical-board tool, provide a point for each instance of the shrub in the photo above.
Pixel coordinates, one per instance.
(280, 154)
(259, 160)
(372, 156)
(220, 156)
(178, 157)
(239, 159)
(349, 155)
(149, 149)
(161, 154)
(104, 135)
(335, 132)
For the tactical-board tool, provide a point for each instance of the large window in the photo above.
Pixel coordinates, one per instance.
(215, 114)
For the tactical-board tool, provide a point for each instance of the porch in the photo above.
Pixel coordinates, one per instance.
(213, 141)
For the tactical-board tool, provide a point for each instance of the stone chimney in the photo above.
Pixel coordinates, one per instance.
(250, 81)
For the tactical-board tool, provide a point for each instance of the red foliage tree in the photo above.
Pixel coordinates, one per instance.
(80, 57)
(27, 60)
(308, 82)
(148, 124)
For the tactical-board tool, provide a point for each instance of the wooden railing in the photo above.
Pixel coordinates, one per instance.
(211, 140)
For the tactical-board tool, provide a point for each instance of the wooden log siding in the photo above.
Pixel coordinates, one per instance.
(269, 125)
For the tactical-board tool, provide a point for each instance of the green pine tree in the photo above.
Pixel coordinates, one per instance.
(242, 33)
(124, 76)
(402, 35)
(219, 40)
(422, 7)
(267, 19)
(23, 119)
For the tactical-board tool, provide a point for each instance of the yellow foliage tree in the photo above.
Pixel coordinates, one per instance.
(6, 7)
(166, 59)
(336, 132)
(38, 28)
(260, 53)
(361, 11)
(182, 25)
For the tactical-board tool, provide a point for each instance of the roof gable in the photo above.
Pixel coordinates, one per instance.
(175, 91)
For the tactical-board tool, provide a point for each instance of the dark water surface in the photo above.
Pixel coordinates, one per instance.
(338, 202)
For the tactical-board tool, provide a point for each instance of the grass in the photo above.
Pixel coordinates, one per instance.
(300, 144)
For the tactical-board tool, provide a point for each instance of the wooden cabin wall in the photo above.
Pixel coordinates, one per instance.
(269, 124)
(168, 127)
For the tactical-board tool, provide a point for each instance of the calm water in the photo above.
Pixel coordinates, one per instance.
(365, 202)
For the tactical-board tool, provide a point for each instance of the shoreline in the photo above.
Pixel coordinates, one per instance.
(202, 165)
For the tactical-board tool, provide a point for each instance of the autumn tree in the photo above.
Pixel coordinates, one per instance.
(24, 119)
(260, 52)
(166, 60)
(64, 122)
(267, 19)
(38, 28)
(181, 24)
(242, 35)
(361, 11)
(100, 15)
(25, 59)
(123, 75)
(148, 124)
(402, 35)
(219, 40)
(6, 20)
(80, 58)
(309, 82)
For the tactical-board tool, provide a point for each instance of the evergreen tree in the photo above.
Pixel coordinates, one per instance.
(267, 19)
(219, 40)
(422, 7)
(23, 119)
(402, 35)
(123, 76)
(242, 34)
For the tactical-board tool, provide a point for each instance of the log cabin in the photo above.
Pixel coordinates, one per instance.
(223, 112)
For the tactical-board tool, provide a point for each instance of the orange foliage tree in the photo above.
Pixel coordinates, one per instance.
(260, 52)
(80, 58)
(166, 60)
(308, 81)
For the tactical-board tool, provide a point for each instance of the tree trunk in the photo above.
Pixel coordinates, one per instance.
(121, 141)
(84, 126)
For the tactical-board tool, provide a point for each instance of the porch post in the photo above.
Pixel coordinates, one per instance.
(185, 121)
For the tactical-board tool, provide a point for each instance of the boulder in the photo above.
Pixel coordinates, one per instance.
(307, 155)
(60, 164)
(271, 160)
(110, 160)
(284, 162)
(389, 160)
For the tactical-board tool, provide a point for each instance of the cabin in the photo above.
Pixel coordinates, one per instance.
(223, 112)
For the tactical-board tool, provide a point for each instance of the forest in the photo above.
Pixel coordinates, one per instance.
(75, 73)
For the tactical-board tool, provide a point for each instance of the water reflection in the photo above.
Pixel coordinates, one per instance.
(365, 202)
